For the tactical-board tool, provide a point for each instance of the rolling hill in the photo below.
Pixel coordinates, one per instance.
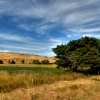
(5, 57)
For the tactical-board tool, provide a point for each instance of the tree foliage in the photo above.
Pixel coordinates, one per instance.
(22, 61)
(1, 62)
(12, 62)
(45, 61)
(36, 61)
(82, 52)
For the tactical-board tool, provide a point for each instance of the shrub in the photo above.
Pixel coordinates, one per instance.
(22, 61)
(36, 61)
(8, 61)
(45, 61)
(12, 62)
(1, 62)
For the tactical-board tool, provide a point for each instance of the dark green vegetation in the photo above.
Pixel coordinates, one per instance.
(12, 62)
(36, 61)
(23, 77)
(1, 62)
(83, 53)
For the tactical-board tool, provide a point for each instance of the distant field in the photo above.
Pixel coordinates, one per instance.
(28, 65)
(25, 69)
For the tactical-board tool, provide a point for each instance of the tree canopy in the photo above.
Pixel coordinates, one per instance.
(84, 52)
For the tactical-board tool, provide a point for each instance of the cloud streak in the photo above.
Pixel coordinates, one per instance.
(72, 14)
(48, 22)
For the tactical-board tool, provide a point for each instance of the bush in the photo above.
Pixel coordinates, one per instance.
(22, 62)
(36, 61)
(12, 62)
(45, 61)
(8, 61)
(1, 62)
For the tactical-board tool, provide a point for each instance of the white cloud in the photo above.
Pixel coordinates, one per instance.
(75, 17)
(70, 14)
(86, 30)
(13, 37)
(92, 35)
(55, 40)
(69, 36)
(5, 51)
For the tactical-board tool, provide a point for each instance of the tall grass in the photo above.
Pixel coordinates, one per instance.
(18, 77)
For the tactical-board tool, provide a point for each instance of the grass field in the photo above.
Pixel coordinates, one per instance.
(46, 83)
(28, 65)
(15, 77)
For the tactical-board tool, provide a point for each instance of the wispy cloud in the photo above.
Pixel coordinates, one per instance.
(92, 35)
(5, 51)
(47, 23)
(86, 30)
(31, 45)
(14, 37)
(72, 14)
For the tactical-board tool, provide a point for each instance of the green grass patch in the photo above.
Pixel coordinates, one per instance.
(30, 69)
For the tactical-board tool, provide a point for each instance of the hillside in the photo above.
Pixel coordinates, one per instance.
(28, 58)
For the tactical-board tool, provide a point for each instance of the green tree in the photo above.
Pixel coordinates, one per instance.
(45, 61)
(82, 52)
(22, 61)
(8, 61)
(1, 62)
(36, 61)
(12, 62)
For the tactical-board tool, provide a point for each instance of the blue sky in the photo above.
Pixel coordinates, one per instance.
(37, 26)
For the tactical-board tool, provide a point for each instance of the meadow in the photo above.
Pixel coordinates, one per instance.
(38, 82)
(16, 77)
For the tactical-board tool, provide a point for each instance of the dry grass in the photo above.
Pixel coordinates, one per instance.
(9, 82)
(28, 58)
(80, 89)
(48, 85)
(29, 65)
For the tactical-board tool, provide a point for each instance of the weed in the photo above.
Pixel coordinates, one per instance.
(35, 96)
(61, 89)
(74, 87)
(96, 79)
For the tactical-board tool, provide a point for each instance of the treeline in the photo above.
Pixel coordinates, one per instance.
(83, 53)
(35, 61)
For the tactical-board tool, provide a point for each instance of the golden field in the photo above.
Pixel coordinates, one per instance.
(79, 89)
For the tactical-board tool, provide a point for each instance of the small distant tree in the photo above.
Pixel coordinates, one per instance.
(8, 61)
(36, 61)
(22, 61)
(1, 62)
(12, 62)
(45, 61)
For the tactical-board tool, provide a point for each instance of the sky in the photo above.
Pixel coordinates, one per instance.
(37, 26)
